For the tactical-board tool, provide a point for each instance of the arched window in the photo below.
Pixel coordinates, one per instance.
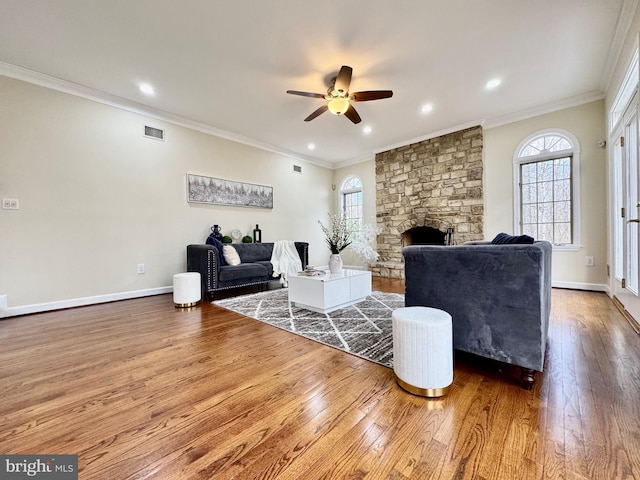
(546, 188)
(351, 201)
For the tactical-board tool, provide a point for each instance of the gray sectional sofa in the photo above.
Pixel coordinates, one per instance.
(255, 267)
(499, 297)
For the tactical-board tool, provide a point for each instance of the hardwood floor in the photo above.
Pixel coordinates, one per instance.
(139, 389)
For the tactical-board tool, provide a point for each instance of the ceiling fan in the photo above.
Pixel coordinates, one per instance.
(339, 98)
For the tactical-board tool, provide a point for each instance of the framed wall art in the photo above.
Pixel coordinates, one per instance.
(216, 191)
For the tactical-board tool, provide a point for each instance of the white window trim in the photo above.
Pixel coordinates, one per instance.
(625, 94)
(575, 181)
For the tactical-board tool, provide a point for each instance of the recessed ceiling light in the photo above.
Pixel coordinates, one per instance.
(147, 89)
(367, 130)
(311, 146)
(493, 83)
(426, 108)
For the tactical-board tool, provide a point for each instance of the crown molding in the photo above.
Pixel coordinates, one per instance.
(354, 161)
(54, 83)
(60, 85)
(569, 102)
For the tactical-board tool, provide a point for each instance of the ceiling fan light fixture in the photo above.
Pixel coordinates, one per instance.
(338, 105)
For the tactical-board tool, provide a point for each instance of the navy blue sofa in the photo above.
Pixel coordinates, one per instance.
(255, 267)
(499, 297)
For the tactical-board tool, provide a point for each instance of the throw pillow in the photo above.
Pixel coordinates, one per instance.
(504, 238)
(218, 244)
(231, 255)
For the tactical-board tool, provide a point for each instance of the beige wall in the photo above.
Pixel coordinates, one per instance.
(587, 123)
(96, 198)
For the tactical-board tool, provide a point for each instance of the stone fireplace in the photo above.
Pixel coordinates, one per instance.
(428, 193)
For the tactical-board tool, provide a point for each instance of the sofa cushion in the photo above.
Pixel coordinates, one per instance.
(254, 252)
(504, 238)
(231, 255)
(268, 265)
(230, 273)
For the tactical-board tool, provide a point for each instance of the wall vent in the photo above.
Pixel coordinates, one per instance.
(297, 169)
(152, 132)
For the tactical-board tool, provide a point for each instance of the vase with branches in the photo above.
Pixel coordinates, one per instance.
(338, 236)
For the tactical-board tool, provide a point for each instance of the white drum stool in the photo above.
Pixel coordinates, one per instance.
(423, 350)
(186, 289)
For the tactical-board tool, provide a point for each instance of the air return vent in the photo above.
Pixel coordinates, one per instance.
(297, 169)
(152, 132)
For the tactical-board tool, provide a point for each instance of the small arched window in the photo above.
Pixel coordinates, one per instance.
(546, 180)
(351, 201)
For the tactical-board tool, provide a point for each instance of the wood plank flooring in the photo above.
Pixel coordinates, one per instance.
(141, 390)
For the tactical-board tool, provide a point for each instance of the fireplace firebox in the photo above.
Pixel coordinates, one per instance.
(424, 235)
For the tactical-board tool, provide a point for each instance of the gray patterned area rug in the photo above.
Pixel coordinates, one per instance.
(363, 329)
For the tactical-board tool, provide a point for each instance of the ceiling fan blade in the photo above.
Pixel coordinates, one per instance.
(317, 113)
(352, 115)
(343, 80)
(306, 94)
(371, 95)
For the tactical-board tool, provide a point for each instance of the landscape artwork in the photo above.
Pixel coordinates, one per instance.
(202, 189)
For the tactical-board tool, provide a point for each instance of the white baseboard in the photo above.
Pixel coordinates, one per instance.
(81, 302)
(594, 287)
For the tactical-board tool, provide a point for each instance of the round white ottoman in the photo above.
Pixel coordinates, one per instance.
(186, 289)
(423, 350)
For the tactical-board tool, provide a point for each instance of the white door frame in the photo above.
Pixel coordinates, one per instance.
(627, 294)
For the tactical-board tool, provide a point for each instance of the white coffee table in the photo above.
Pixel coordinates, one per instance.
(328, 292)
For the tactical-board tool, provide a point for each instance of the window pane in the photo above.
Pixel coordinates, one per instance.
(529, 194)
(545, 192)
(562, 144)
(550, 142)
(530, 214)
(538, 144)
(562, 168)
(562, 233)
(529, 173)
(545, 171)
(562, 190)
(545, 232)
(545, 212)
(562, 212)
(528, 151)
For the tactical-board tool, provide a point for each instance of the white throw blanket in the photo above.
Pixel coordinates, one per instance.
(285, 260)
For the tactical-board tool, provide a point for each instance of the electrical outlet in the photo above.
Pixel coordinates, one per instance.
(3, 302)
(141, 268)
(10, 204)
(588, 261)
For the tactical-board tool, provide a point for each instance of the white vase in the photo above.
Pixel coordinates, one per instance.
(335, 263)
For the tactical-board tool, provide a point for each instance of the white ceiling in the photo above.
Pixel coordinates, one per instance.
(225, 65)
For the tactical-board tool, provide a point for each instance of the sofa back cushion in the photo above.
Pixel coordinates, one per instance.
(254, 252)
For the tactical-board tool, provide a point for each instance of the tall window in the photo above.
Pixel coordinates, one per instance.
(351, 201)
(546, 203)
